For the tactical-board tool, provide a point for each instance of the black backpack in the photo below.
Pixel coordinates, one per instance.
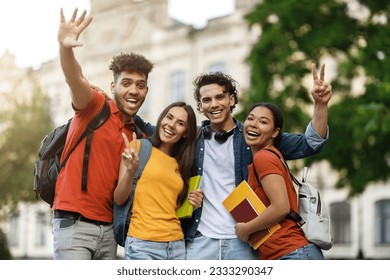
(48, 165)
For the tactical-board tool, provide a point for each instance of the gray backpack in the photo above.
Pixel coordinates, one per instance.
(313, 217)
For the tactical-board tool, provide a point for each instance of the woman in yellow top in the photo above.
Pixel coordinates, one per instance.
(155, 231)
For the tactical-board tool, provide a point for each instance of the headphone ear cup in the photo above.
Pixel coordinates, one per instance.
(221, 136)
(207, 132)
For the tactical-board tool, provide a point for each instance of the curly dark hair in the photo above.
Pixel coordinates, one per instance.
(130, 63)
(219, 78)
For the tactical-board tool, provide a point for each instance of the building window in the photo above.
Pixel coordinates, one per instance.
(340, 214)
(14, 230)
(177, 86)
(40, 230)
(218, 67)
(382, 222)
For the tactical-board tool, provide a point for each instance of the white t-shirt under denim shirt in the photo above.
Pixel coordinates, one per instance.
(217, 183)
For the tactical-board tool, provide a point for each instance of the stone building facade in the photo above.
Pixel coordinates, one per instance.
(179, 51)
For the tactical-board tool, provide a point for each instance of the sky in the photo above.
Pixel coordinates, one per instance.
(28, 28)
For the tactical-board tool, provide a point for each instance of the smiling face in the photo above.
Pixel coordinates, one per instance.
(173, 127)
(259, 128)
(130, 91)
(216, 106)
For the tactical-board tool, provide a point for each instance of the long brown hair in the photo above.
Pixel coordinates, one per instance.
(184, 150)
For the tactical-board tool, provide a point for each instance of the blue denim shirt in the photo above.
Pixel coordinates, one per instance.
(292, 146)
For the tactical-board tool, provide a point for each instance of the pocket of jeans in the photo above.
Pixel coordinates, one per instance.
(67, 223)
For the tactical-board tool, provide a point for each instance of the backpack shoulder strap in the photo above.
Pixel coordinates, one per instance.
(281, 159)
(101, 117)
(143, 155)
(295, 180)
(292, 215)
(122, 213)
(96, 122)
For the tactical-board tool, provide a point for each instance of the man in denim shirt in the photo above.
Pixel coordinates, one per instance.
(222, 158)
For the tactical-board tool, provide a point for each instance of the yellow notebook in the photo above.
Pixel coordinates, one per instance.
(185, 211)
(244, 205)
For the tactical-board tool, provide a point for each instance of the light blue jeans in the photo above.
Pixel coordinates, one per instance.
(138, 249)
(307, 252)
(78, 240)
(205, 248)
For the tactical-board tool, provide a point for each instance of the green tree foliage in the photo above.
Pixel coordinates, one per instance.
(356, 36)
(24, 123)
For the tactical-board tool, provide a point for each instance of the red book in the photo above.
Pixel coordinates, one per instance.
(244, 212)
(244, 205)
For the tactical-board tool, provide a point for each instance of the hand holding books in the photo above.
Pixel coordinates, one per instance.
(195, 197)
(242, 232)
(244, 205)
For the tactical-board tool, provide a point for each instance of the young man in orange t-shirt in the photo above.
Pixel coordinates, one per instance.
(82, 223)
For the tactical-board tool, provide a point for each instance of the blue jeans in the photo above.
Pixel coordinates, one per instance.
(307, 252)
(78, 240)
(205, 248)
(138, 249)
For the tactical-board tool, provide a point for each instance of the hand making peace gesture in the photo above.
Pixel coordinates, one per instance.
(321, 91)
(130, 154)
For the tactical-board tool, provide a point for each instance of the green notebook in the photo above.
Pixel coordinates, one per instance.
(185, 211)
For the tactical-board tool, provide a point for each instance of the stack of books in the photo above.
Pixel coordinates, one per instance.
(244, 205)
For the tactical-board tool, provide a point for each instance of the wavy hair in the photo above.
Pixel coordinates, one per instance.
(219, 78)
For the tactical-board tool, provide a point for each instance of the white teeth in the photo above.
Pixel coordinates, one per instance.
(216, 112)
(131, 100)
(251, 133)
(168, 131)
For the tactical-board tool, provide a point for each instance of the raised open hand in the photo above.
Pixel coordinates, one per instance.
(321, 92)
(69, 31)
